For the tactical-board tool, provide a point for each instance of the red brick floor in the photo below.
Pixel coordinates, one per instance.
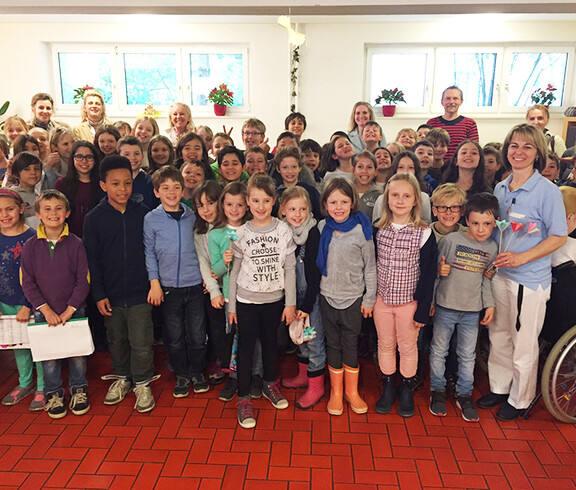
(195, 442)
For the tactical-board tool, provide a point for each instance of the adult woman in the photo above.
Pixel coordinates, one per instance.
(361, 113)
(93, 112)
(522, 284)
(180, 117)
(538, 115)
(42, 106)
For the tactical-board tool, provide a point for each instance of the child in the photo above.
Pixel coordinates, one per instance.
(191, 147)
(462, 293)
(255, 160)
(311, 354)
(206, 134)
(56, 165)
(27, 169)
(25, 142)
(231, 165)
(123, 128)
(348, 288)
(220, 141)
(232, 213)
(447, 205)
(205, 200)
(384, 162)
(466, 168)
(406, 259)
(131, 148)
(492, 165)
(113, 236)
(365, 174)
(106, 139)
(372, 135)
(43, 139)
(440, 139)
(194, 173)
(82, 184)
(337, 159)
(145, 128)
(55, 281)
(176, 281)
(288, 163)
(160, 153)
(262, 292)
(407, 137)
(552, 169)
(311, 156)
(395, 149)
(296, 124)
(408, 162)
(14, 126)
(424, 151)
(422, 131)
(13, 234)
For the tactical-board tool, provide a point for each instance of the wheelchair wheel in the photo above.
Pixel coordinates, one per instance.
(559, 379)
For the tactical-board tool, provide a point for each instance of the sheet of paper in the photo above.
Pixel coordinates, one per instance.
(72, 339)
(13, 334)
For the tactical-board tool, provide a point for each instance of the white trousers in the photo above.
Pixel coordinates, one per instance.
(513, 360)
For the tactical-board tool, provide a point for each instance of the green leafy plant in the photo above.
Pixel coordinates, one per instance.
(294, 66)
(221, 95)
(391, 97)
(79, 93)
(3, 110)
(544, 96)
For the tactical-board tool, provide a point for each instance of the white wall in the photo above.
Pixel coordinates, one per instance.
(331, 69)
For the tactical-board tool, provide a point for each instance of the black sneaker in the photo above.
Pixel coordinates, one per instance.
(246, 413)
(508, 413)
(468, 407)
(229, 390)
(438, 403)
(256, 387)
(417, 383)
(182, 387)
(55, 405)
(79, 403)
(272, 393)
(492, 400)
(200, 384)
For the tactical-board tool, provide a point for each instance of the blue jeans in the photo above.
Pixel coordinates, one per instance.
(185, 329)
(466, 323)
(53, 368)
(314, 350)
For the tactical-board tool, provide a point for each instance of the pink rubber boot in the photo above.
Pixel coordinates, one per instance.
(313, 394)
(301, 379)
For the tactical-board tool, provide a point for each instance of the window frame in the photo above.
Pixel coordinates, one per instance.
(500, 107)
(120, 106)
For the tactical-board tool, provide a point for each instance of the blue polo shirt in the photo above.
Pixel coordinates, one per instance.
(537, 201)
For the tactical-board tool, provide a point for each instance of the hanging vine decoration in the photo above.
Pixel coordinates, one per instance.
(294, 65)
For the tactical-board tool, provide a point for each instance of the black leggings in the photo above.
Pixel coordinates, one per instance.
(257, 321)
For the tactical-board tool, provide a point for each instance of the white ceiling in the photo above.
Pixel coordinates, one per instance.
(290, 7)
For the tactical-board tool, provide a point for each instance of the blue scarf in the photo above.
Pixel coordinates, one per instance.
(331, 226)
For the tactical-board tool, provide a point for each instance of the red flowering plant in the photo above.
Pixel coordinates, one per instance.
(221, 95)
(79, 93)
(544, 96)
(391, 97)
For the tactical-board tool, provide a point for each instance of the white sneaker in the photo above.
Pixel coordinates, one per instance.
(144, 398)
(117, 391)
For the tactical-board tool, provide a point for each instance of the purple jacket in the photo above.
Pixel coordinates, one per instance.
(58, 277)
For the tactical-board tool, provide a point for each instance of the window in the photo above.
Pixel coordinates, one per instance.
(493, 79)
(131, 77)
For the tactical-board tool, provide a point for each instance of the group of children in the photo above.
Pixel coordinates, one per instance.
(229, 250)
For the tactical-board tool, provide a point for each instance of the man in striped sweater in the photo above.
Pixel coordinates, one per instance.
(459, 127)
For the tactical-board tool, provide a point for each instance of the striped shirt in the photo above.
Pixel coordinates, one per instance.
(459, 129)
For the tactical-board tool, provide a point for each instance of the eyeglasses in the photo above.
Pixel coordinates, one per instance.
(87, 158)
(251, 133)
(443, 209)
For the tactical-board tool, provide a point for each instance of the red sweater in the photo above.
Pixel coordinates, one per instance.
(58, 278)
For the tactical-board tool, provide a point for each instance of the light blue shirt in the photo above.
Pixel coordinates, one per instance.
(538, 201)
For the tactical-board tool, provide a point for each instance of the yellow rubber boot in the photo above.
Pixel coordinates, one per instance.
(357, 404)
(335, 404)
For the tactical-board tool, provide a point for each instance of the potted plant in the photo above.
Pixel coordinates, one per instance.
(221, 97)
(79, 93)
(390, 98)
(544, 96)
